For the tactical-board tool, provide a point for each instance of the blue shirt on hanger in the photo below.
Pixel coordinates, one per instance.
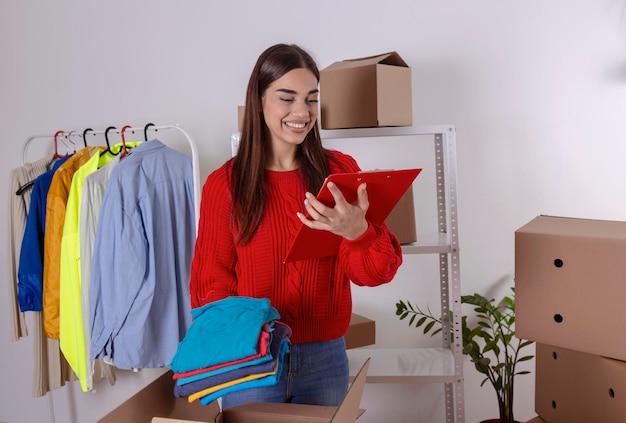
(139, 295)
(30, 268)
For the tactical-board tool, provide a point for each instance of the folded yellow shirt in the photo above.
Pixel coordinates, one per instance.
(216, 388)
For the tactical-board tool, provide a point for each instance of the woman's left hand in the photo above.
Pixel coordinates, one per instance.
(345, 219)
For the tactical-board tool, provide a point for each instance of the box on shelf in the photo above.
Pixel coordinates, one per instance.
(361, 332)
(240, 112)
(366, 92)
(573, 386)
(569, 284)
(261, 412)
(401, 220)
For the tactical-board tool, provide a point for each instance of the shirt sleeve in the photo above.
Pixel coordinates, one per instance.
(372, 259)
(118, 269)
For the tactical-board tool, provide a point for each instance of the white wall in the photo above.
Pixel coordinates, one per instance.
(536, 90)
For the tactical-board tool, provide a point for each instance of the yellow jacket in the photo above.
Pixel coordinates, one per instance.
(71, 320)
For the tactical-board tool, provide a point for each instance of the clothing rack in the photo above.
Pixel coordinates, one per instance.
(83, 135)
(149, 127)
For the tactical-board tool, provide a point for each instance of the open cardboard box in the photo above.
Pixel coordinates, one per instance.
(156, 400)
(366, 92)
(263, 412)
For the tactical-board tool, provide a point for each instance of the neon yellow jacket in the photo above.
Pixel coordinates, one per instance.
(71, 323)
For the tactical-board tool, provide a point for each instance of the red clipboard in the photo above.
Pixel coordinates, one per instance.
(384, 190)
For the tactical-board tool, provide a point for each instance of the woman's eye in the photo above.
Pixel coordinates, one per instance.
(287, 100)
(313, 100)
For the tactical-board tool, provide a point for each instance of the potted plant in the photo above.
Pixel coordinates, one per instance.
(488, 339)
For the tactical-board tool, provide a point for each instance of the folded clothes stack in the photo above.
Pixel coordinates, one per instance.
(232, 344)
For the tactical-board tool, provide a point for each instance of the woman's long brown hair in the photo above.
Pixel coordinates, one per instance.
(248, 166)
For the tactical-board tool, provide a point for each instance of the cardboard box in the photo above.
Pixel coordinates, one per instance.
(569, 284)
(263, 412)
(240, 112)
(361, 332)
(401, 220)
(573, 386)
(157, 400)
(366, 92)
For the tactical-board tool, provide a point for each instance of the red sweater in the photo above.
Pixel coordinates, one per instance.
(312, 296)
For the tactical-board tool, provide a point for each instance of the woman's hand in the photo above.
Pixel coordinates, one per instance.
(345, 219)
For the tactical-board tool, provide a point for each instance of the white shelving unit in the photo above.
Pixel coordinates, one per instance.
(426, 365)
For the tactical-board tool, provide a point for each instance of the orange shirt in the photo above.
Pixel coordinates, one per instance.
(55, 218)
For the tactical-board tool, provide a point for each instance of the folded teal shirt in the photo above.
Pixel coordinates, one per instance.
(223, 331)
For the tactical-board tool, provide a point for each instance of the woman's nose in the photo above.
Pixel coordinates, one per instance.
(300, 109)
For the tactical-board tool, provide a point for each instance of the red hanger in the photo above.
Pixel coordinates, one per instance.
(124, 149)
(56, 151)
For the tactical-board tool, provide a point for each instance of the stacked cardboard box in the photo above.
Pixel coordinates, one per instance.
(569, 291)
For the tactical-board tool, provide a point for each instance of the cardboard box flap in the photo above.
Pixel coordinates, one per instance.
(391, 58)
(263, 412)
(156, 400)
(348, 411)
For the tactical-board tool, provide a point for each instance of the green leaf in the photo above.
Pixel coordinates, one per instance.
(499, 366)
(525, 344)
(420, 322)
(509, 302)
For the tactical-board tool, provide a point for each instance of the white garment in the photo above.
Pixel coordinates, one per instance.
(93, 193)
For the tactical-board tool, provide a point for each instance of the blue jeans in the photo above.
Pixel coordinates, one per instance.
(313, 373)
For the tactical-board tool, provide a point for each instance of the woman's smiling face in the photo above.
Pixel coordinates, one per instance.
(290, 107)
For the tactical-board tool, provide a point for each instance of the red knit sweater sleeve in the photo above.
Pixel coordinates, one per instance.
(213, 265)
(374, 258)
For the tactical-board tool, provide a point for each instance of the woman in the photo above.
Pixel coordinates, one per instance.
(251, 209)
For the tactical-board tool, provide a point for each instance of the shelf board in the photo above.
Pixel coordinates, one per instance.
(428, 244)
(404, 365)
(385, 131)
